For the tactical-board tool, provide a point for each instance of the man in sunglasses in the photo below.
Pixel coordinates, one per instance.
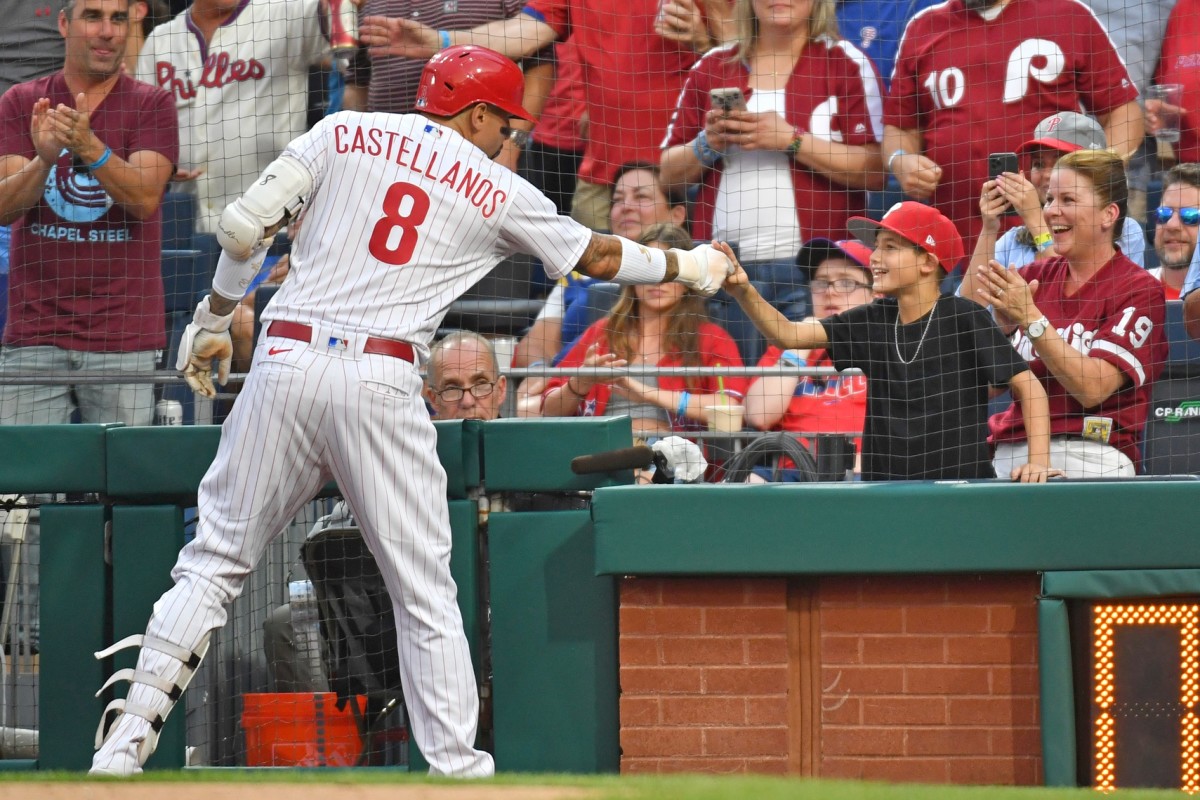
(1176, 222)
(464, 380)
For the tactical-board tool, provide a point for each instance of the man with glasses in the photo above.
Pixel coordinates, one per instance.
(464, 380)
(1177, 220)
(840, 279)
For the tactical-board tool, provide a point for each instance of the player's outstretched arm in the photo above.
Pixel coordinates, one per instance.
(615, 258)
(778, 329)
(516, 37)
(1035, 409)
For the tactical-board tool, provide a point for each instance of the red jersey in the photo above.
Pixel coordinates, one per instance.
(559, 124)
(974, 87)
(833, 93)
(1180, 63)
(1118, 316)
(86, 273)
(822, 405)
(633, 77)
(717, 348)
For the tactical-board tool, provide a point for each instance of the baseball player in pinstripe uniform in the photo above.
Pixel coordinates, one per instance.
(403, 214)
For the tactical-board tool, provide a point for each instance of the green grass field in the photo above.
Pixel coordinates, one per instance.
(680, 787)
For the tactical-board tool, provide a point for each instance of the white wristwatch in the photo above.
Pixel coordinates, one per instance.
(1037, 328)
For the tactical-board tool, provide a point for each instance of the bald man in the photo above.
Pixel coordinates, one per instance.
(464, 380)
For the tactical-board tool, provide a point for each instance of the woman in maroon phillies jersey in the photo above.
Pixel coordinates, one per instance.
(1089, 321)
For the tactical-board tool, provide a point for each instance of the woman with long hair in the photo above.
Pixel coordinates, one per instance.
(795, 162)
(1090, 323)
(649, 326)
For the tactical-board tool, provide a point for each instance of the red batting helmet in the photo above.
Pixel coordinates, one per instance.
(461, 76)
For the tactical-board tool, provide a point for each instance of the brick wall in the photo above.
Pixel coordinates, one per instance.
(704, 675)
(930, 679)
(919, 678)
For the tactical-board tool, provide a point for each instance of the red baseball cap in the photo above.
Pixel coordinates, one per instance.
(923, 225)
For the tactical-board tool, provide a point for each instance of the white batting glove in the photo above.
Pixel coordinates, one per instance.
(205, 338)
(684, 458)
(703, 269)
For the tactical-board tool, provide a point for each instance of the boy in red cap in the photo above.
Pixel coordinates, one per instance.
(929, 360)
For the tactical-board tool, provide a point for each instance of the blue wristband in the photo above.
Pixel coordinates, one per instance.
(444, 39)
(791, 358)
(101, 161)
(684, 396)
(705, 154)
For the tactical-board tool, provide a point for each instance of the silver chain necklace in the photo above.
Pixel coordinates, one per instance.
(896, 333)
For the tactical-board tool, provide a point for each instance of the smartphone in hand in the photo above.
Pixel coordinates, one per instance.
(727, 99)
(1002, 162)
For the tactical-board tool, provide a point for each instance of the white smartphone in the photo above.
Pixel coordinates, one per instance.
(727, 99)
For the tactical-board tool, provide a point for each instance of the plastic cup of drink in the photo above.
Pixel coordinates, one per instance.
(726, 418)
(1165, 100)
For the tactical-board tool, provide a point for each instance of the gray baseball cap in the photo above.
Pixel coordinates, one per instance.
(1067, 131)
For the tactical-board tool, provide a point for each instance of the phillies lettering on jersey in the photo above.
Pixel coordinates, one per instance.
(219, 70)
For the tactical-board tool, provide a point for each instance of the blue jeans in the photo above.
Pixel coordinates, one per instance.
(782, 284)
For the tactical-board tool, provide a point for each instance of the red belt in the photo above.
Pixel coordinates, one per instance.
(384, 347)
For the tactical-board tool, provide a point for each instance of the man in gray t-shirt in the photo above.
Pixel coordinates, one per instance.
(30, 44)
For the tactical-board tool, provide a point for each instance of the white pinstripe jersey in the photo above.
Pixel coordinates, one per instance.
(404, 217)
(241, 97)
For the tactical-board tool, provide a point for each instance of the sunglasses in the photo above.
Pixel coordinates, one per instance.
(1189, 215)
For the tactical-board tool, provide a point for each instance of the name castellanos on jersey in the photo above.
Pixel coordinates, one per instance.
(421, 158)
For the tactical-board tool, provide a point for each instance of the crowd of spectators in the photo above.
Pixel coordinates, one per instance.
(842, 108)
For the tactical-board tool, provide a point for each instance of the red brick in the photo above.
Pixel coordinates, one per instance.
(944, 741)
(947, 680)
(660, 742)
(745, 620)
(1006, 771)
(766, 711)
(751, 742)
(910, 770)
(746, 680)
(946, 619)
(989, 649)
(768, 766)
(994, 711)
(903, 711)
(767, 650)
(640, 766)
(863, 680)
(841, 709)
(640, 592)
(767, 592)
(703, 592)
(856, 741)
(1015, 680)
(660, 620)
(639, 711)
(903, 590)
(841, 649)
(904, 649)
(639, 652)
(995, 589)
(707, 765)
(1013, 619)
(862, 619)
(839, 590)
(703, 650)
(844, 768)
(1015, 741)
(705, 710)
(661, 680)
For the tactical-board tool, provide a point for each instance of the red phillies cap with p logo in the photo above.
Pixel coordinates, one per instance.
(923, 225)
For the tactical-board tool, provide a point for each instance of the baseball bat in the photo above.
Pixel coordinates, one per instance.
(623, 458)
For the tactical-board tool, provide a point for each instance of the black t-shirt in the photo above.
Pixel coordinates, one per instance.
(927, 419)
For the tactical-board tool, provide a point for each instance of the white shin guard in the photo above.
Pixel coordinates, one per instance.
(153, 690)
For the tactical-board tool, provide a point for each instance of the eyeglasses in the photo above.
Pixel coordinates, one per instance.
(841, 285)
(1189, 215)
(454, 394)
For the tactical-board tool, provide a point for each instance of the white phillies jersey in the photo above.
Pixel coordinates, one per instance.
(404, 217)
(241, 98)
